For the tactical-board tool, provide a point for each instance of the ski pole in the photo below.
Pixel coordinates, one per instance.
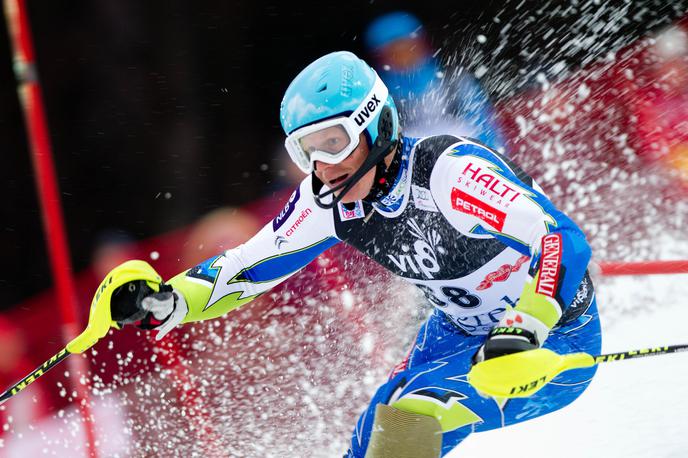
(522, 374)
(33, 376)
(99, 318)
(96, 329)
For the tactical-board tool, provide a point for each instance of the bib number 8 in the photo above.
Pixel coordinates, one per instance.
(457, 296)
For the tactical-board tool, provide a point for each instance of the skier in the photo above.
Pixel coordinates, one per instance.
(431, 97)
(505, 270)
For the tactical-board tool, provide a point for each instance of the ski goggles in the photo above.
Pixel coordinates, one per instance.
(331, 141)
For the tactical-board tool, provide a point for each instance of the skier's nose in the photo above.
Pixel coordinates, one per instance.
(323, 167)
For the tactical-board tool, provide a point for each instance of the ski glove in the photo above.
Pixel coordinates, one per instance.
(137, 303)
(516, 332)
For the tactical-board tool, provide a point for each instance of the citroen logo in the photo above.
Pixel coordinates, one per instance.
(279, 240)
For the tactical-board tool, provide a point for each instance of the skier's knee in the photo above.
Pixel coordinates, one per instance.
(400, 434)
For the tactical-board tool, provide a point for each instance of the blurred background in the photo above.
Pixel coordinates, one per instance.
(164, 120)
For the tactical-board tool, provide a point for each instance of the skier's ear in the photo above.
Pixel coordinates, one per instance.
(385, 128)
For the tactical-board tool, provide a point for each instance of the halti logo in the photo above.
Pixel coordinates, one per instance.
(287, 211)
(367, 111)
(490, 181)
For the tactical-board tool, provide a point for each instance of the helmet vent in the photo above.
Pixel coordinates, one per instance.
(322, 87)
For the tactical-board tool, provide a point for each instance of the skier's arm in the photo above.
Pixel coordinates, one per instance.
(237, 276)
(484, 195)
(224, 282)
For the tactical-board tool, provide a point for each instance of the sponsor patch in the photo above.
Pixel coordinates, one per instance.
(550, 265)
(287, 210)
(490, 181)
(422, 199)
(279, 240)
(468, 204)
(581, 301)
(302, 217)
(355, 213)
(397, 192)
(502, 274)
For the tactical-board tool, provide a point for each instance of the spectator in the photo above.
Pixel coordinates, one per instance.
(661, 105)
(425, 91)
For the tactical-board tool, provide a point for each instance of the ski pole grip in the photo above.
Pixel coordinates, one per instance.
(577, 361)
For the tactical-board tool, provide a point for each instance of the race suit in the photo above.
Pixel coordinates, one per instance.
(476, 235)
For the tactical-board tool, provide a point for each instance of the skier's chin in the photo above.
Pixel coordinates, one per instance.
(361, 189)
(358, 192)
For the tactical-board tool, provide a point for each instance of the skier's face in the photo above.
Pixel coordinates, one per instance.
(334, 174)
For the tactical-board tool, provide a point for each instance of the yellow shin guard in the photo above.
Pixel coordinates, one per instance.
(400, 434)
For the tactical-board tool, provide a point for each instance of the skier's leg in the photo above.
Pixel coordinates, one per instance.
(433, 383)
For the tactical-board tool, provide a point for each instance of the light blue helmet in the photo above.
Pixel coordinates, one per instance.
(336, 85)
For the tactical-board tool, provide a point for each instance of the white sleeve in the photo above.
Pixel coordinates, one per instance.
(296, 236)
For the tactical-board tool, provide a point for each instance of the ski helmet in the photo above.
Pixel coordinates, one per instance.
(339, 85)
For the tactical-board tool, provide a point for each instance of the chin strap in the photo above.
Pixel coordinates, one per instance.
(375, 159)
(385, 178)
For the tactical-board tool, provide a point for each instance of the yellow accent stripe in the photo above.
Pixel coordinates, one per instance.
(197, 296)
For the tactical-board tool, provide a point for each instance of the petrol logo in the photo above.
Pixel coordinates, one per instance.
(468, 204)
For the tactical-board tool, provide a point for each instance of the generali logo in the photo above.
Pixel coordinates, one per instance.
(550, 264)
(468, 204)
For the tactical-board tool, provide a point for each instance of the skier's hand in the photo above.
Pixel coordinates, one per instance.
(516, 331)
(137, 303)
(505, 341)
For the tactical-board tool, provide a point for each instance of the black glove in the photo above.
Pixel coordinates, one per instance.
(505, 341)
(137, 303)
